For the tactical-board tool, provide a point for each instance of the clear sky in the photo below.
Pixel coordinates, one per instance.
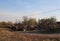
(10, 10)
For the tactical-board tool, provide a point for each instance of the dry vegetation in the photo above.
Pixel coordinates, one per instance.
(6, 35)
(19, 31)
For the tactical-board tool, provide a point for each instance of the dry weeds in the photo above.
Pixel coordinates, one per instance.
(6, 35)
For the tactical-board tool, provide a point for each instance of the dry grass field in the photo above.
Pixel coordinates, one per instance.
(6, 35)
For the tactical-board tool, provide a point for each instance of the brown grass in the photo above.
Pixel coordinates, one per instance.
(6, 35)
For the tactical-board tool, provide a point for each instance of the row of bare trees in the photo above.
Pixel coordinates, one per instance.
(31, 24)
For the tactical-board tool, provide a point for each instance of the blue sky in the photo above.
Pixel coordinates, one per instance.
(10, 10)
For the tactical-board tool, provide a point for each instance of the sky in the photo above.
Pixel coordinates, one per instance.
(14, 10)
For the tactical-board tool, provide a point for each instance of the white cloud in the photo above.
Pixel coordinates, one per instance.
(6, 15)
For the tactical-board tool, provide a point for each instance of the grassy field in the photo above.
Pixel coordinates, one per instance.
(6, 35)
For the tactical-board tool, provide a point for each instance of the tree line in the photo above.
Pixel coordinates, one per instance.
(28, 24)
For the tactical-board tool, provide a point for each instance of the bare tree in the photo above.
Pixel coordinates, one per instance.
(32, 23)
(48, 23)
(25, 21)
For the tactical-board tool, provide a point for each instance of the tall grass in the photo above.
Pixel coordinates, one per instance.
(6, 35)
